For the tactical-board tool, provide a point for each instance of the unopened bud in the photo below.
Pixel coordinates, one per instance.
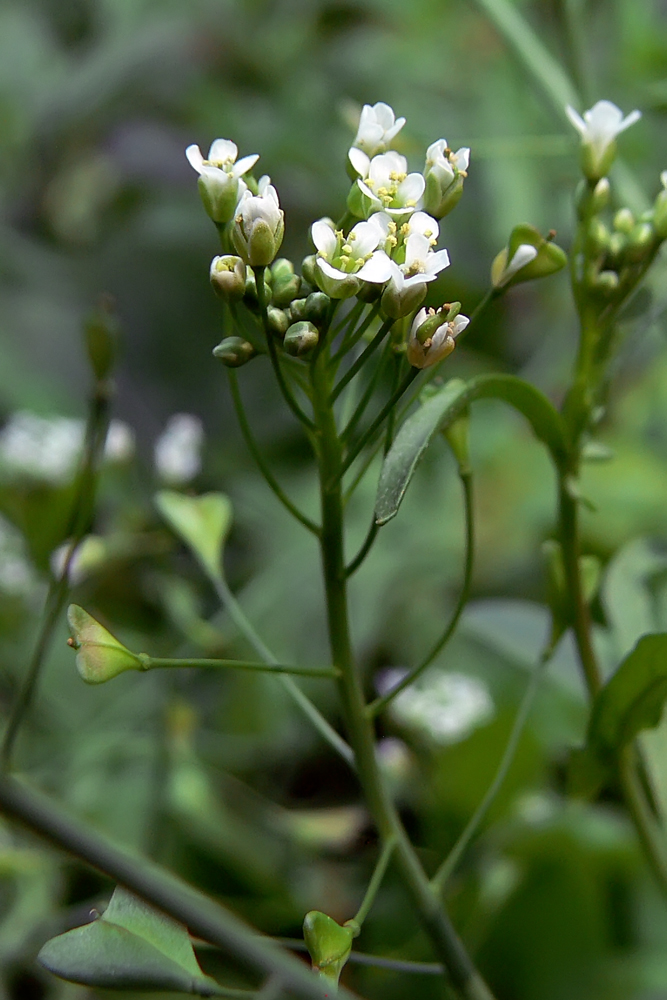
(624, 221)
(228, 277)
(282, 269)
(317, 308)
(297, 310)
(528, 255)
(300, 339)
(597, 237)
(99, 655)
(285, 289)
(606, 283)
(640, 242)
(234, 352)
(277, 320)
(309, 269)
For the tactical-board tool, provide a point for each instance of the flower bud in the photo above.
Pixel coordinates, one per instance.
(300, 338)
(597, 237)
(99, 655)
(398, 302)
(432, 337)
(624, 221)
(309, 269)
(234, 352)
(285, 289)
(277, 320)
(528, 255)
(259, 225)
(444, 173)
(606, 283)
(616, 247)
(316, 308)
(328, 943)
(281, 269)
(640, 242)
(228, 277)
(297, 310)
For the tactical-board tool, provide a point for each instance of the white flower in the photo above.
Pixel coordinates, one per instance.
(598, 130)
(119, 445)
(444, 173)
(446, 706)
(220, 182)
(177, 450)
(523, 255)
(17, 577)
(377, 127)
(46, 448)
(386, 184)
(432, 338)
(259, 225)
(345, 261)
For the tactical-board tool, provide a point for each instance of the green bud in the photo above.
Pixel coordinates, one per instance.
(616, 246)
(297, 310)
(99, 655)
(258, 227)
(640, 242)
(300, 339)
(277, 320)
(281, 269)
(438, 202)
(328, 943)
(234, 352)
(285, 289)
(228, 277)
(397, 304)
(606, 283)
(101, 331)
(596, 161)
(317, 308)
(309, 269)
(624, 221)
(597, 237)
(453, 311)
(600, 195)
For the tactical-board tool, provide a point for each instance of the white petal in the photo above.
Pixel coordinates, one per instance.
(417, 249)
(377, 269)
(629, 120)
(523, 255)
(663, 178)
(436, 151)
(223, 151)
(576, 120)
(367, 235)
(396, 277)
(436, 262)
(263, 184)
(418, 320)
(411, 189)
(394, 130)
(323, 237)
(359, 160)
(421, 222)
(245, 164)
(458, 324)
(461, 158)
(195, 158)
(332, 272)
(384, 115)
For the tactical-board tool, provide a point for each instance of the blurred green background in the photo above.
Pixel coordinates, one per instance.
(219, 778)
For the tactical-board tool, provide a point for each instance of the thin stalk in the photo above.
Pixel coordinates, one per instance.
(364, 550)
(463, 975)
(153, 662)
(381, 703)
(201, 915)
(377, 961)
(366, 397)
(375, 883)
(379, 420)
(353, 337)
(361, 360)
(273, 354)
(256, 453)
(78, 525)
(324, 728)
(448, 866)
(348, 321)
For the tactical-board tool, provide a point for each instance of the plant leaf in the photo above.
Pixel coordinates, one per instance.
(202, 522)
(440, 410)
(633, 698)
(130, 947)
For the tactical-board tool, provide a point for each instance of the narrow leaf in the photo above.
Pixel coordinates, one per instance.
(634, 697)
(202, 522)
(440, 411)
(130, 947)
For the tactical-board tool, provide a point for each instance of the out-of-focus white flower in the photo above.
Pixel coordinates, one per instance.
(220, 183)
(343, 262)
(89, 554)
(177, 450)
(119, 445)
(17, 578)
(259, 225)
(598, 130)
(46, 448)
(445, 705)
(378, 125)
(432, 337)
(385, 183)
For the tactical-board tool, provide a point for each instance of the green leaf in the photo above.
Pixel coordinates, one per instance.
(130, 947)
(202, 522)
(633, 698)
(439, 412)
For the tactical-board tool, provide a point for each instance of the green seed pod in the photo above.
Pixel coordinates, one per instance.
(624, 221)
(297, 310)
(278, 321)
(317, 308)
(300, 339)
(99, 655)
(329, 944)
(234, 352)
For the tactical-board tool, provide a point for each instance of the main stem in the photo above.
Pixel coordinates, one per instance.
(464, 977)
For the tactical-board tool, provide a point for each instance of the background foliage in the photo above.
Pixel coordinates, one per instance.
(220, 780)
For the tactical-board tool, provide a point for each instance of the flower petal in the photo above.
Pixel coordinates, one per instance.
(245, 164)
(323, 237)
(436, 262)
(195, 158)
(576, 120)
(377, 269)
(359, 160)
(223, 151)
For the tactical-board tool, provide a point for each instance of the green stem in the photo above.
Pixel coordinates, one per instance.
(366, 397)
(254, 450)
(361, 360)
(447, 868)
(375, 883)
(153, 662)
(376, 961)
(324, 728)
(348, 323)
(157, 886)
(464, 977)
(364, 550)
(78, 525)
(379, 420)
(381, 703)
